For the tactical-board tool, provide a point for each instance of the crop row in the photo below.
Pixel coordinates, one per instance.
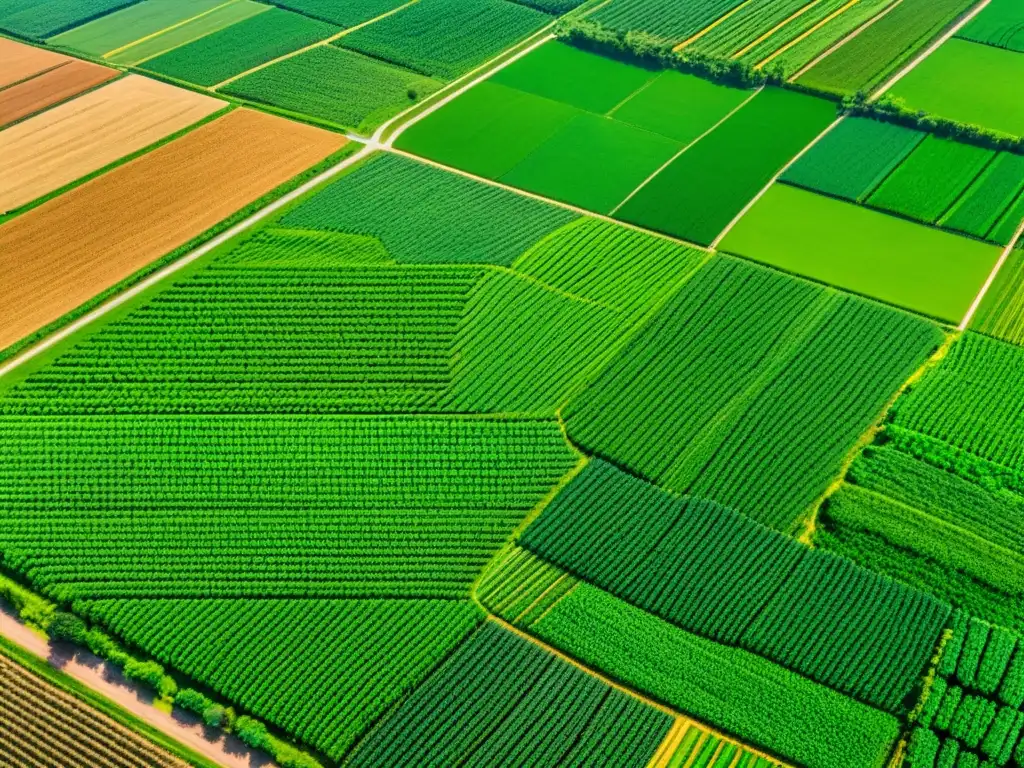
(502, 700)
(43, 727)
(324, 670)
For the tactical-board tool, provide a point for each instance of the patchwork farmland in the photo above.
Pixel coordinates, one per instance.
(512, 383)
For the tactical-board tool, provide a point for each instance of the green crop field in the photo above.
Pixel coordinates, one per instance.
(446, 38)
(969, 83)
(866, 60)
(697, 196)
(871, 253)
(629, 383)
(228, 52)
(339, 86)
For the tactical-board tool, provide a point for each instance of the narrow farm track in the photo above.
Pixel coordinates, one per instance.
(106, 680)
(965, 323)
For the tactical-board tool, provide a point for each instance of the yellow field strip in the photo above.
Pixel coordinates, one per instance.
(710, 27)
(182, 23)
(318, 44)
(843, 41)
(799, 39)
(776, 28)
(670, 744)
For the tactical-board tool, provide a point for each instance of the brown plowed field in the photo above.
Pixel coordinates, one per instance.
(51, 87)
(18, 61)
(74, 139)
(55, 257)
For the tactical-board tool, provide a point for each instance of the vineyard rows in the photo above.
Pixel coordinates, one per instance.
(43, 727)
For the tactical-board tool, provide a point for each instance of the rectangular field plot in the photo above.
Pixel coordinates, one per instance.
(697, 196)
(853, 159)
(74, 139)
(335, 85)
(1000, 24)
(868, 252)
(970, 83)
(984, 203)
(218, 18)
(67, 250)
(931, 179)
(673, 20)
(230, 51)
(865, 61)
(39, 19)
(446, 38)
(122, 28)
(51, 87)
(19, 61)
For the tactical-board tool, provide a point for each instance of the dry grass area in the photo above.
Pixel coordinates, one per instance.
(74, 139)
(50, 88)
(19, 61)
(55, 257)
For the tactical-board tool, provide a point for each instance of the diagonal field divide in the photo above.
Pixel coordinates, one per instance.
(843, 41)
(991, 278)
(159, 32)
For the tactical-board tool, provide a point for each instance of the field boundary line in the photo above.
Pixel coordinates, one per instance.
(686, 148)
(976, 304)
(40, 73)
(717, 22)
(151, 35)
(728, 228)
(138, 64)
(473, 82)
(317, 44)
(796, 15)
(669, 744)
(115, 301)
(843, 41)
(548, 200)
(943, 39)
(803, 36)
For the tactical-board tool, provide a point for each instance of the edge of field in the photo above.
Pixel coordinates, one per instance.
(100, 703)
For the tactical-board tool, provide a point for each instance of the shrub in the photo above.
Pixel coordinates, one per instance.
(67, 627)
(148, 672)
(251, 732)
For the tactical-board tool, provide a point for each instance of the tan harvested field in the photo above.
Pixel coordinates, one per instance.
(74, 139)
(19, 61)
(55, 257)
(51, 87)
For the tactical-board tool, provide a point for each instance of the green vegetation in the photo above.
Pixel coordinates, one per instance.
(359, 656)
(697, 196)
(426, 215)
(336, 85)
(134, 22)
(931, 179)
(992, 194)
(155, 514)
(695, 402)
(1000, 24)
(866, 60)
(219, 18)
(494, 702)
(574, 77)
(802, 721)
(968, 83)
(671, 20)
(240, 47)
(1001, 314)
(344, 13)
(446, 38)
(923, 269)
(40, 19)
(741, 30)
(718, 574)
(853, 158)
(593, 162)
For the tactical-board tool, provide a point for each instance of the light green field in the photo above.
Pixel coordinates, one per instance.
(567, 74)
(593, 162)
(108, 33)
(970, 83)
(219, 18)
(679, 106)
(487, 130)
(910, 265)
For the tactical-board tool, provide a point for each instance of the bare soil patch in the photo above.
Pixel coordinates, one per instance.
(19, 61)
(50, 88)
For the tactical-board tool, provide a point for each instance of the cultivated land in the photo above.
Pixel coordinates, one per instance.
(50, 88)
(74, 139)
(142, 210)
(413, 453)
